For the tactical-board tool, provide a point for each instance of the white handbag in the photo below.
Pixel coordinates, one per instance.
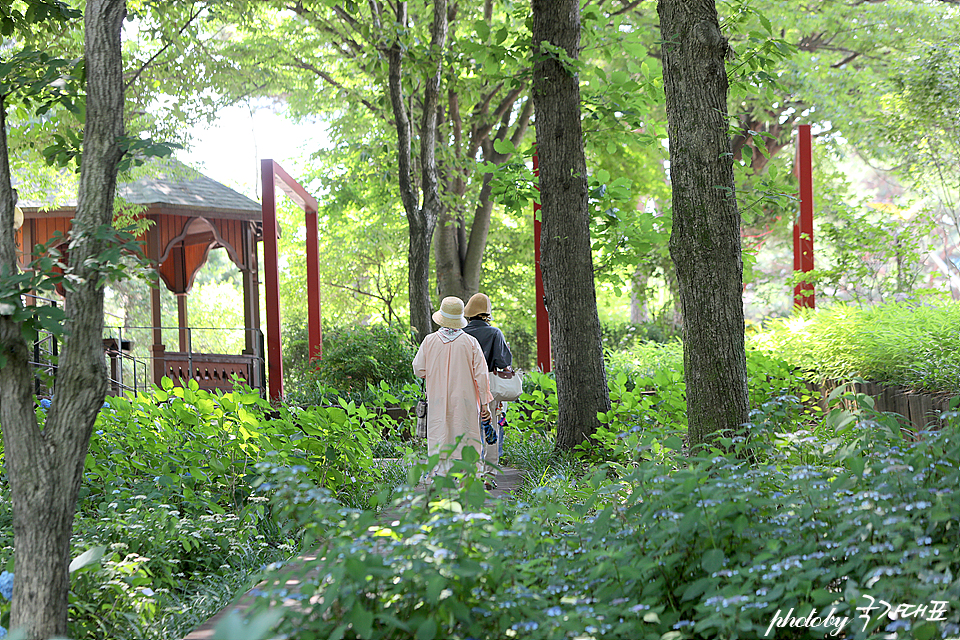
(506, 385)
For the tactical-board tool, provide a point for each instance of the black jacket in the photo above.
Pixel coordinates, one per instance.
(494, 347)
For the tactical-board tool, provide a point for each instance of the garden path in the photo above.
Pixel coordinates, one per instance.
(507, 481)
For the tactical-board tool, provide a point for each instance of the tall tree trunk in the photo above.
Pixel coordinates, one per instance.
(421, 219)
(45, 466)
(459, 257)
(565, 250)
(705, 243)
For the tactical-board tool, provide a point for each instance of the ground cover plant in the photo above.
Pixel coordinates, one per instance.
(907, 344)
(169, 527)
(657, 545)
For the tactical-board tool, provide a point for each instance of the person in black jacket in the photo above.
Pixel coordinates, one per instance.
(479, 314)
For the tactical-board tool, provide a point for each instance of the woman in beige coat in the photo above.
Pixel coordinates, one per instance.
(458, 389)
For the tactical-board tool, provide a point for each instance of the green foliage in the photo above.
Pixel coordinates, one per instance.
(648, 397)
(155, 559)
(357, 356)
(34, 80)
(912, 345)
(711, 549)
(620, 337)
(20, 18)
(872, 255)
(173, 502)
(205, 446)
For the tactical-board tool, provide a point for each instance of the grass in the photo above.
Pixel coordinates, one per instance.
(910, 345)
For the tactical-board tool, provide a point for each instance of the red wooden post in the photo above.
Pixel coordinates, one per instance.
(314, 328)
(298, 194)
(803, 294)
(543, 321)
(271, 280)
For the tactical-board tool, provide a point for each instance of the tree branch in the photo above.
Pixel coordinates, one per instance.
(307, 66)
(146, 64)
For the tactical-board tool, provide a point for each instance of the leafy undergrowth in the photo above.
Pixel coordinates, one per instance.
(655, 545)
(911, 345)
(170, 523)
(647, 392)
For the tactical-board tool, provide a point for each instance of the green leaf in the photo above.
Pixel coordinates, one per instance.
(673, 442)
(427, 630)
(924, 631)
(504, 146)
(689, 521)
(233, 626)
(435, 585)
(765, 22)
(482, 29)
(712, 560)
(362, 621)
(87, 558)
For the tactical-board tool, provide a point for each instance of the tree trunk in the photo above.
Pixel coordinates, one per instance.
(566, 257)
(705, 243)
(46, 466)
(421, 219)
(459, 258)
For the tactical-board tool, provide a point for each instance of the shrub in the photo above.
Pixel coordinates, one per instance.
(354, 359)
(909, 345)
(648, 395)
(625, 336)
(205, 446)
(714, 548)
(355, 356)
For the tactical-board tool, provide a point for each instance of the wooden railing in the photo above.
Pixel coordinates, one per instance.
(210, 370)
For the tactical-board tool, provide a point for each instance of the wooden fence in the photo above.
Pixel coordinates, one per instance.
(920, 410)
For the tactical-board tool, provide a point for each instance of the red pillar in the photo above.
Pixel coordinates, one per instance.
(543, 321)
(803, 293)
(271, 278)
(314, 329)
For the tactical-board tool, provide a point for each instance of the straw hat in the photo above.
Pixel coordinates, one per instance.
(478, 305)
(450, 314)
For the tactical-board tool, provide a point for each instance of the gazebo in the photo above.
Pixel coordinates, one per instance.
(191, 214)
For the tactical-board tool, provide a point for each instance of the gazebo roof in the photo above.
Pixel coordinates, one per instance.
(191, 214)
(174, 188)
(179, 190)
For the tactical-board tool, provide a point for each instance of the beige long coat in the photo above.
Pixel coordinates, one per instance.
(457, 383)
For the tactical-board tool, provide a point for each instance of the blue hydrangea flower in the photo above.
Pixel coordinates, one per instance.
(6, 587)
(3, 632)
(45, 403)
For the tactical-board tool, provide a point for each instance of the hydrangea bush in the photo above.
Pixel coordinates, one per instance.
(665, 547)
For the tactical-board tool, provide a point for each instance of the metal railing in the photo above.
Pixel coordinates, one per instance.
(129, 358)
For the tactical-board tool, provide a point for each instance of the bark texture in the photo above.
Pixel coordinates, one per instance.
(566, 257)
(45, 466)
(705, 243)
(459, 254)
(421, 217)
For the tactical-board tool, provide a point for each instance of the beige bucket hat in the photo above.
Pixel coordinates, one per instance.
(477, 305)
(450, 314)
